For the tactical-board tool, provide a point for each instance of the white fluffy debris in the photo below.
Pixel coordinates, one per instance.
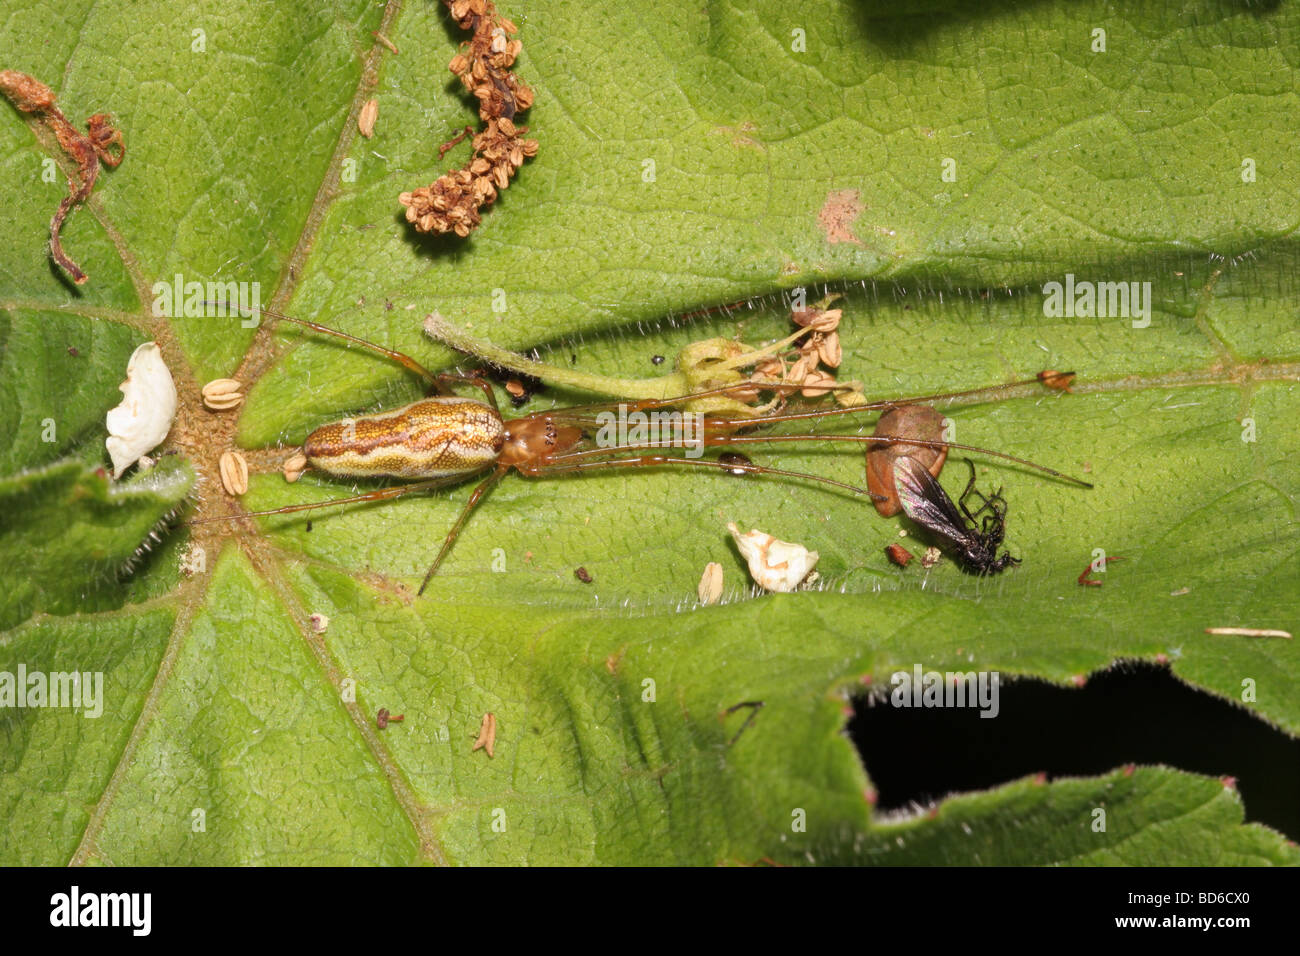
(774, 564)
(142, 421)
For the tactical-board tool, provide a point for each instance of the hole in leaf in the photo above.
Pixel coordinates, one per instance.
(1134, 713)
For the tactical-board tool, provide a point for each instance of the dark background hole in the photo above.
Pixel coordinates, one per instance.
(1134, 713)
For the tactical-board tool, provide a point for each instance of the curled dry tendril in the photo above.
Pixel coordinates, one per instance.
(101, 142)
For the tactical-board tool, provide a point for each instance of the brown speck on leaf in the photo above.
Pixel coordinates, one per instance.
(102, 142)
(383, 718)
(487, 734)
(899, 555)
(389, 44)
(837, 215)
(583, 575)
(1057, 380)
(72, 350)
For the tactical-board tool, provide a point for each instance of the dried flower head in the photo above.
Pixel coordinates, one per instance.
(452, 202)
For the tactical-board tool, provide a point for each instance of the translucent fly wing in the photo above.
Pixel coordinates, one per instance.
(925, 502)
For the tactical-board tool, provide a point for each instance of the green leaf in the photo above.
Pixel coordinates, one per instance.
(687, 160)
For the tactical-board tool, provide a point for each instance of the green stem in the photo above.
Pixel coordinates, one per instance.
(664, 386)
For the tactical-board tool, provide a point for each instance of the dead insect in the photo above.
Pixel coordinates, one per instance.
(446, 438)
(973, 542)
(656, 360)
(583, 575)
(899, 555)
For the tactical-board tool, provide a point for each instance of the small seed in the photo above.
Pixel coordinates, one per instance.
(221, 394)
(710, 589)
(582, 574)
(234, 473)
(295, 466)
(817, 383)
(829, 350)
(366, 121)
(516, 388)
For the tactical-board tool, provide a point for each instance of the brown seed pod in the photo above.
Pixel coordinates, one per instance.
(905, 421)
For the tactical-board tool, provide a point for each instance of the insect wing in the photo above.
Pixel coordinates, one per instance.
(925, 501)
